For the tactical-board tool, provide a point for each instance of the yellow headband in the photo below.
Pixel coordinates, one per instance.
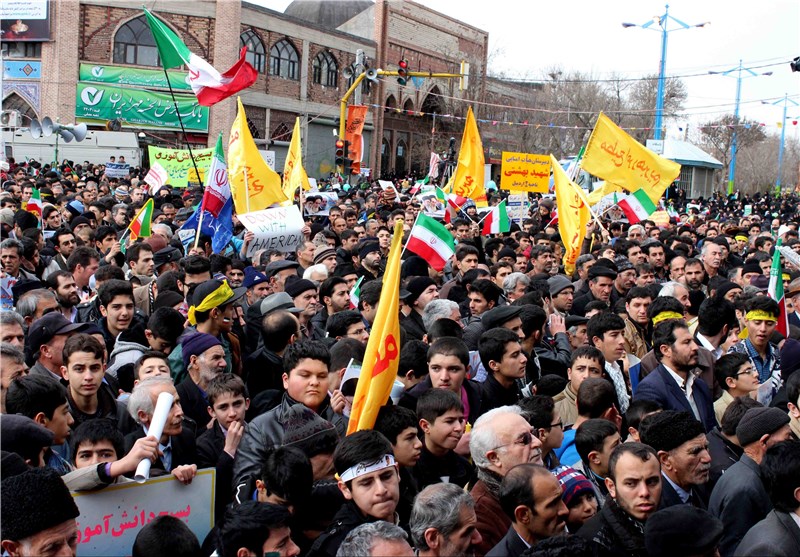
(213, 300)
(664, 315)
(760, 315)
(741, 238)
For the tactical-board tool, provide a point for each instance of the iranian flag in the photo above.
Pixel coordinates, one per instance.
(218, 189)
(775, 291)
(637, 206)
(431, 241)
(355, 293)
(141, 224)
(452, 204)
(208, 84)
(496, 221)
(35, 204)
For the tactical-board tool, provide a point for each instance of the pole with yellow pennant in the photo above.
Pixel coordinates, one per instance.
(468, 178)
(294, 175)
(573, 215)
(382, 357)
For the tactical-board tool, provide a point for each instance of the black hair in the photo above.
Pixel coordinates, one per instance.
(793, 388)
(562, 546)
(533, 318)
(109, 272)
(664, 303)
(52, 279)
(781, 470)
(637, 292)
(250, 525)
(488, 289)
(63, 231)
(492, 345)
(82, 255)
(394, 420)
(277, 328)
(517, 488)
(167, 324)
(591, 436)
(225, 383)
(305, 349)
(595, 396)
(328, 285)
(103, 232)
(413, 356)
(550, 384)
(146, 355)
(449, 346)
(763, 303)
(83, 343)
(362, 446)
(735, 412)
(343, 350)
(664, 335)
(370, 293)
(640, 450)
(113, 288)
(196, 265)
(94, 431)
(464, 250)
(133, 253)
(589, 353)
(339, 322)
(219, 263)
(30, 394)
(166, 536)
(287, 472)
(713, 315)
(435, 403)
(538, 410)
(638, 409)
(602, 323)
(444, 327)
(596, 304)
(728, 366)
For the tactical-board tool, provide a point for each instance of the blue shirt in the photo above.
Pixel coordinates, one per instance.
(567, 453)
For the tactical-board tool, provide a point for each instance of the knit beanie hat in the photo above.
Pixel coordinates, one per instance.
(758, 422)
(306, 430)
(682, 530)
(34, 501)
(195, 345)
(416, 286)
(668, 430)
(297, 287)
(322, 253)
(573, 484)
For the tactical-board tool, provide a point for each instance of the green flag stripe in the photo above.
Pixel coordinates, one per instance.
(645, 201)
(171, 49)
(435, 228)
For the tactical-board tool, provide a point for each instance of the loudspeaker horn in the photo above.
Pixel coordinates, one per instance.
(36, 129)
(47, 126)
(79, 131)
(347, 72)
(372, 74)
(65, 134)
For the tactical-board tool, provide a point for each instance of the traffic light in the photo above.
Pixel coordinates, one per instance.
(341, 152)
(402, 72)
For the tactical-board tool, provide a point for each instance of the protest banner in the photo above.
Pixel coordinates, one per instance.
(525, 172)
(117, 169)
(517, 206)
(278, 228)
(178, 162)
(111, 518)
(7, 282)
(319, 203)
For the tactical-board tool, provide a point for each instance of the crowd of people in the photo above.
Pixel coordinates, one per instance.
(645, 405)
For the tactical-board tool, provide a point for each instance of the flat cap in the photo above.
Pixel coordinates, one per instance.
(758, 422)
(497, 316)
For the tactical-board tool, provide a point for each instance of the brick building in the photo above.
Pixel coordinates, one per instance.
(300, 56)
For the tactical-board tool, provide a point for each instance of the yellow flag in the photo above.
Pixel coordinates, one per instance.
(615, 156)
(598, 194)
(294, 175)
(468, 176)
(573, 215)
(254, 185)
(382, 357)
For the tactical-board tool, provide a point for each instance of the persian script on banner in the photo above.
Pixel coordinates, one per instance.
(525, 172)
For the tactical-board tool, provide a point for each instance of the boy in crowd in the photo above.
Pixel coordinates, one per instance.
(117, 308)
(151, 364)
(737, 376)
(441, 418)
(502, 356)
(369, 480)
(541, 413)
(45, 402)
(587, 361)
(399, 426)
(255, 528)
(595, 440)
(638, 411)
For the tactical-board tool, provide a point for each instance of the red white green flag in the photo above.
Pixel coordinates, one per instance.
(431, 241)
(775, 291)
(35, 204)
(637, 206)
(208, 84)
(452, 204)
(140, 226)
(496, 221)
(355, 293)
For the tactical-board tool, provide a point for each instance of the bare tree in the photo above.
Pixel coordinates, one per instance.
(716, 137)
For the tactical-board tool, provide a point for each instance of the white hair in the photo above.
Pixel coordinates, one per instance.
(437, 309)
(484, 437)
(163, 229)
(511, 281)
(668, 289)
(315, 269)
(140, 398)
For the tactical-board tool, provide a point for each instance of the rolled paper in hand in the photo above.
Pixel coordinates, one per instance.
(157, 423)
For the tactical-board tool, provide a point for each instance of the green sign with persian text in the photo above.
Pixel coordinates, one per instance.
(140, 108)
(133, 77)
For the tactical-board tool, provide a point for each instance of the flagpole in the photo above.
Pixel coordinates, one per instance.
(180, 120)
(410, 233)
(246, 190)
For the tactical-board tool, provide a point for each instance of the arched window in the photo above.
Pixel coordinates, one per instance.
(391, 103)
(283, 60)
(326, 72)
(281, 133)
(408, 107)
(134, 44)
(256, 54)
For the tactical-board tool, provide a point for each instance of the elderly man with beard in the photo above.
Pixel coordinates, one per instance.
(634, 485)
(204, 359)
(682, 448)
(63, 286)
(443, 522)
(501, 439)
(542, 259)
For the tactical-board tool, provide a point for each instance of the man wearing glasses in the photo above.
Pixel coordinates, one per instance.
(737, 376)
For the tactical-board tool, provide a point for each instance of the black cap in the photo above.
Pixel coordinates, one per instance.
(599, 270)
(167, 255)
(46, 327)
(499, 315)
(297, 287)
(575, 320)
(276, 266)
(681, 530)
(210, 286)
(415, 287)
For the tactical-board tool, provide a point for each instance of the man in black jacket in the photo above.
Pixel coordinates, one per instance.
(204, 360)
(504, 360)
(634, 486)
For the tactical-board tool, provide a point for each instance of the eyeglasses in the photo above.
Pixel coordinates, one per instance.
(525, 440)
(558, 424)
(748, 371)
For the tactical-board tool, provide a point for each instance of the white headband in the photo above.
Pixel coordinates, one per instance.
(363, 468)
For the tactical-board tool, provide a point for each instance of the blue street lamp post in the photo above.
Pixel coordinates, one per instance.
(734, 143)
(786, 100)
(662, 22)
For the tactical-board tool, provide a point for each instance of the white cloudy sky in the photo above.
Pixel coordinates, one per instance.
(529, 37)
